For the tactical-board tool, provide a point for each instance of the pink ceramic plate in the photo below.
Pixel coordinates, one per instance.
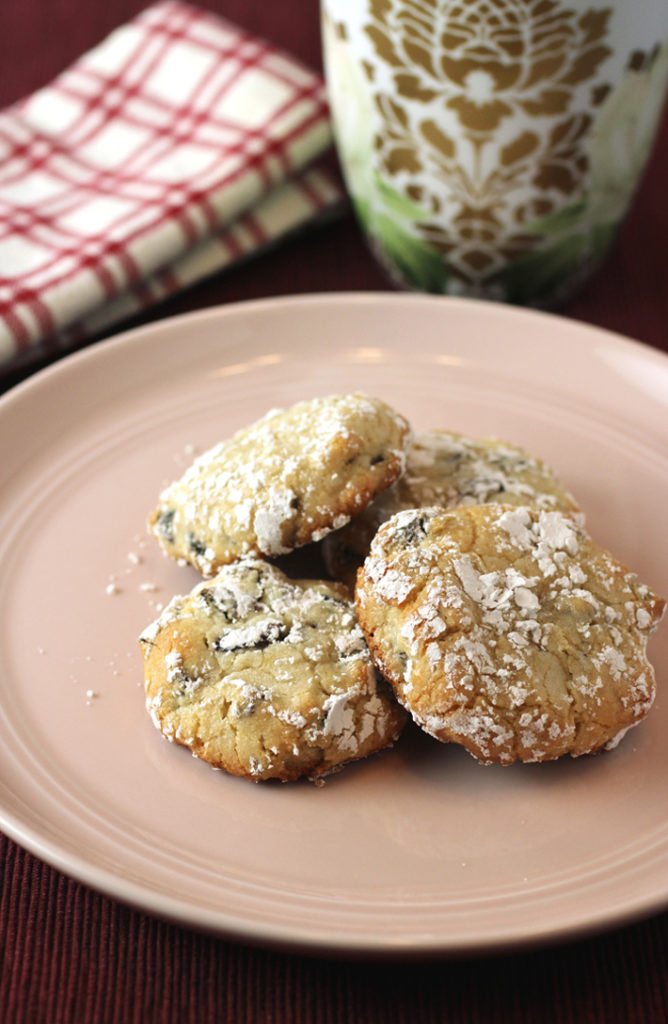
(419, 850)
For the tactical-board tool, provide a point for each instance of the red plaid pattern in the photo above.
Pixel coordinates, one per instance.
(147, 164)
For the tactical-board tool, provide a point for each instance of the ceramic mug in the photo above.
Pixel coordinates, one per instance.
(492, 147)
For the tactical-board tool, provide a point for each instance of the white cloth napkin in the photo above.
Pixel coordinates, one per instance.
(177, 146)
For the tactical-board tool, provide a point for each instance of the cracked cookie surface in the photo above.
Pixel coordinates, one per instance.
(508, 630)
(286, 480)
(447, 470)
(267, 677)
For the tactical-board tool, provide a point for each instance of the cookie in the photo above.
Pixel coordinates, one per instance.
(447, 470)
(267, 677)
(286, 480)
(508, 630)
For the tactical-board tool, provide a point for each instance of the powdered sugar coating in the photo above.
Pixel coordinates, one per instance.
(266, 677)
(448, 470)
(288, 479)
(508, 630)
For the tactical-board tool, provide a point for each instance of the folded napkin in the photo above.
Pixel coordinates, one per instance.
(175, 147)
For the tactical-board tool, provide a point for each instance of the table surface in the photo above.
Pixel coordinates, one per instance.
(68, 954)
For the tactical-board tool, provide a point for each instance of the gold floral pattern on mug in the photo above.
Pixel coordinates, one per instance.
(476, 137)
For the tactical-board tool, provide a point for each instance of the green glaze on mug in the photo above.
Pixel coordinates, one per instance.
(492, 147)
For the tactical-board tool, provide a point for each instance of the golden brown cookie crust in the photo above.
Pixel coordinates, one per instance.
(267, 677)
(446, 470)
(508, 630)
(284, 481)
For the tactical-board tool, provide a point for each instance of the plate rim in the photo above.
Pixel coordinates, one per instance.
(98, 348)
(294, 941)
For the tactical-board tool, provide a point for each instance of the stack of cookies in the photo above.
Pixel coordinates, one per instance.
(464, 592)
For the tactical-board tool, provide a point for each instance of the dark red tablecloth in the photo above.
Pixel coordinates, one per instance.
(70, 955)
